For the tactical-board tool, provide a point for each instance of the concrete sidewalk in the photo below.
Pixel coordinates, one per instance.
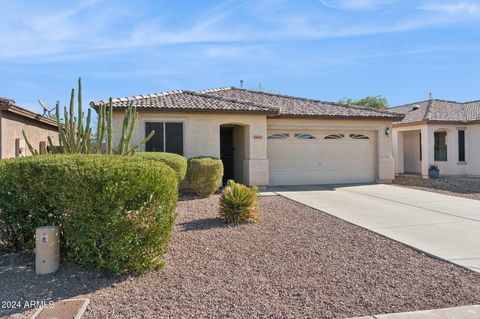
(444, 226)
(466, 312)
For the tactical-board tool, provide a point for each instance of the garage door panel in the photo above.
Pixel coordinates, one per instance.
(279, 165)
(281, 179)
(287, 148)
(294, 164)
(294, 161)
(340, 149)
(345, 164)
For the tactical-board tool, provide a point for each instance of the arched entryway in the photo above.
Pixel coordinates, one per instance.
(232, 150)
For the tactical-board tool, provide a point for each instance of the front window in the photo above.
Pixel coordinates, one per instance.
(168, 137)
(461, 146)
(440, 146)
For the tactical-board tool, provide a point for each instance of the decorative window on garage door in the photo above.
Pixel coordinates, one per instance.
(278, 136)
(303, 136)
(334, 136)
(359, 137)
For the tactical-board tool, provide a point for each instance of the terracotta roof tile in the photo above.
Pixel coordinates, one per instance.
(439, 111)
(290, 106)
(230, 99)
(188, 101)
(9, 106)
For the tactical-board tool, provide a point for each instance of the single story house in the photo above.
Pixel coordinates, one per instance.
(14, 119)
(265, 138)
(445, 133)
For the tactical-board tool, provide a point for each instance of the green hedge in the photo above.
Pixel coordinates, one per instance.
(175, 161)
(204, 174)
(116, 213)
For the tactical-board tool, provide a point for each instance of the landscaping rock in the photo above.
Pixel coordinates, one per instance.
(462, 186)
(296, 263)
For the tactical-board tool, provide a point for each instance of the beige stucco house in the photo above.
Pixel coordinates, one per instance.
(268, 139)
(14, 119)
(445, 133)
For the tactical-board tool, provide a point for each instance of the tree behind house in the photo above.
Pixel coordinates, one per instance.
(378, 102)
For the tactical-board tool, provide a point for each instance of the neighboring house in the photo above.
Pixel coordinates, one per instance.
(14, 119)
(267, 139)
(439, 132)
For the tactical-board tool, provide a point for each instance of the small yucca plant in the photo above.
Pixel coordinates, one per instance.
(238, 203)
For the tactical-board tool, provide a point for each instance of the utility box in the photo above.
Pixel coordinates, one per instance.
(47, 250)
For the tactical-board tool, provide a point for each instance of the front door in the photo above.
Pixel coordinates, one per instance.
(227, 153)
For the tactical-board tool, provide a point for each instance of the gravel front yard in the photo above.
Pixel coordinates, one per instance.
(296, 263)
(460, 186)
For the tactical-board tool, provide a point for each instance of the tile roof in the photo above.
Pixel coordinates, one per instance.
(290, 106)
(9, 106)
(188, 101)
(439, 111)
(234, 100)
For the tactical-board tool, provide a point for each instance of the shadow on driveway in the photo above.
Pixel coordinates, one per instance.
(311, 188)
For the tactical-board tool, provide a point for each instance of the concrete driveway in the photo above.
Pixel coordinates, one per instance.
(445, 226)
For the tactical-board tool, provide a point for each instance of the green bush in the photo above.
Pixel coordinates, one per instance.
(204, 174)
(116, 213)
(238, 203)
(175, 161)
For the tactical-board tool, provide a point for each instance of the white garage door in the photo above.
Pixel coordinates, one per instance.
(313, 158)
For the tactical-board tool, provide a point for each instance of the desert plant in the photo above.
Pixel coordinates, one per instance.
(175, 161)
(75, 136)
(204, 174)
(433, 171)
(238, 203)
(116, 213)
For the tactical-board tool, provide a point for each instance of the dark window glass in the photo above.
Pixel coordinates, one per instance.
(334, 136)
(440, 147)
(420, 137)
(461, 146)
(174, 138)
(155, 144)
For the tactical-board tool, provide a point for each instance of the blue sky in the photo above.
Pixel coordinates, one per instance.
(321, 49)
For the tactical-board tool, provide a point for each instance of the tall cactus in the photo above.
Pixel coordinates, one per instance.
(33, 151)
(74, 135)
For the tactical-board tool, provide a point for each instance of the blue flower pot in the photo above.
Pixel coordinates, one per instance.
(434, 173)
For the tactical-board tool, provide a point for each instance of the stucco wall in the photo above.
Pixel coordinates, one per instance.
(384, 161)
(202, 137)
(411, 152)
(11, 126)
(450, 167)
(472, 149)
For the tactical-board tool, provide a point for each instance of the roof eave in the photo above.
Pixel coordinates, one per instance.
(203, 111)
(28, 114)
(344, 117)
(401, 124)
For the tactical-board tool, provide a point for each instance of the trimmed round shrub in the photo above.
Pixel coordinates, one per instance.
(175, 161)
(238, 203)
(204, 174)
(116, 213)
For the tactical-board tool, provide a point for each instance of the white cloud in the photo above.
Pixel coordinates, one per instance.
(461, 7)
(356, 4)
(85, 32)
(230, 52)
